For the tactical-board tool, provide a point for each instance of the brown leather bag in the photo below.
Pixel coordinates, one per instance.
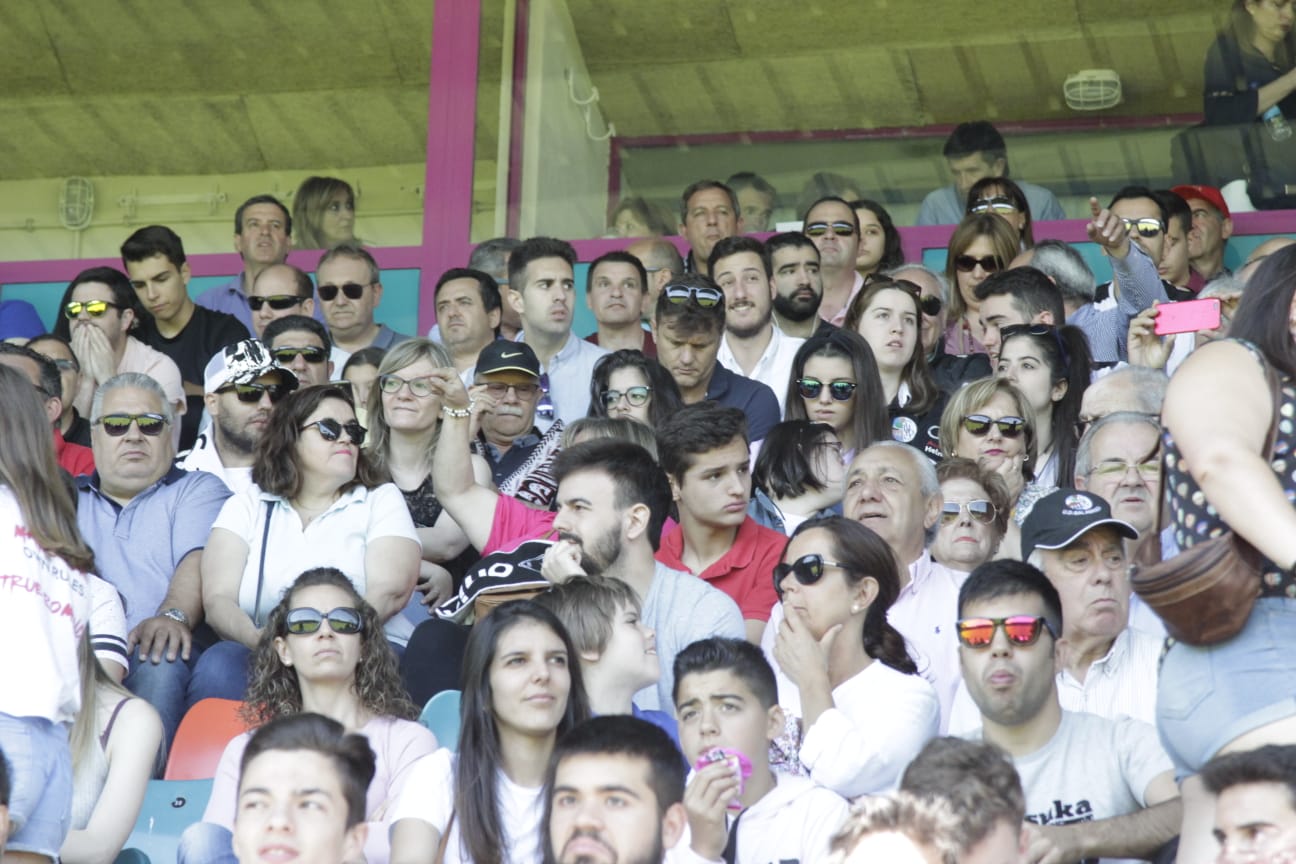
(1204, 595)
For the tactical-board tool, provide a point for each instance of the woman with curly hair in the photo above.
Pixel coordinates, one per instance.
(322, 651)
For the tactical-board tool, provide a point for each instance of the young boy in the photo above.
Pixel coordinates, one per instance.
(618, 654)
(726, 699)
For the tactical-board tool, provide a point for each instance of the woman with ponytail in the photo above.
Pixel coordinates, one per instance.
(857, 710)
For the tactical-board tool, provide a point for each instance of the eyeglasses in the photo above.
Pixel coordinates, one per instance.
(499, 389)
(309, 353)
(1148, 226)
(840, 391)
(305, 620)
(252, 393)
(66, 365)
(353, 291)
(978, 509)
(700, 294)
(979, 425)
(392, 384)
(1020, 629)
(117, 425)
(966, 263)
(808, 569)
(636, 395)
(93, 308)
(820, 229)
(545, 408)
(331, 430)
(278, 302)
(997, 204)
(1119, 467)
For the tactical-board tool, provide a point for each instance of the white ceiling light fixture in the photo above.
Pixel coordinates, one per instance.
(76, 203)
(1092, 90)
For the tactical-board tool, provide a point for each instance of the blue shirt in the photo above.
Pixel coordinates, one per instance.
(755, 399)
(138, 547)
(229, 297)
(570, 372)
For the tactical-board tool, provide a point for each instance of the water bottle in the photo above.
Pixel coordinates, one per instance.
(1277, 125)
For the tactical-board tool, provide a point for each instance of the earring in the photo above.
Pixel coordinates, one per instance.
(855, 608)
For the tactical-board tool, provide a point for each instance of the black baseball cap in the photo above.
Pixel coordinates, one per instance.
(502, 355)
(1060, 518)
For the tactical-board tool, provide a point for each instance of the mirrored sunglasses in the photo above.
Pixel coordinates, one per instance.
(1145, 227)
(979, 424)
(840, 391)
(1020, 629)
(93, 308)
(702, 295)
(305, 620)
(820, 229)
(979, 510)
(117, 425)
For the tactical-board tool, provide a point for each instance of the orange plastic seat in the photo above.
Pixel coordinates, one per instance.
(199, 742)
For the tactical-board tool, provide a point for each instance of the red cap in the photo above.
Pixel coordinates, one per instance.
(1209, 194)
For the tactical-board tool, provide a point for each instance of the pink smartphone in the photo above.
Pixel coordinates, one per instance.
(1187, 316)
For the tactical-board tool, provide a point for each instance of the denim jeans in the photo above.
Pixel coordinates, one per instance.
(206, 843)
(174, 686)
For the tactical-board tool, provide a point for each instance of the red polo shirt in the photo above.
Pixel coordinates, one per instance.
(745, 572)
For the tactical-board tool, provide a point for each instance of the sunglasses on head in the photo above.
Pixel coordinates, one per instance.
(636, 395)
(808, 569)
(117, 425)
(1020, 630)
(840, 391)
(309, 353)
(331, 430)
(1007, 330)
(821, 229)
(979, 424)
(278, 302)
(929, 306)
(997, 204)
(93, 308)
(353, 291)
(391, 384)
(252, 393)
(305, 620)
(978, 509)
(967, 263)
(700, 294)
(1148, 226)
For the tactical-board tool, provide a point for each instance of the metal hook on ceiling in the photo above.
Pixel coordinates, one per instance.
(586, 106)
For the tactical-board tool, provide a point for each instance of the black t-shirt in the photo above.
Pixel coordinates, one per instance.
(207, 332)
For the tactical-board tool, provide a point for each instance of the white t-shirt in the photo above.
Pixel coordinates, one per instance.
(429, 796)
(44, 607)
(337, 538)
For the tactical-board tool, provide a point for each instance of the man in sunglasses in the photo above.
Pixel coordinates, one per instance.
(350, 291)
(242, 383)
(262, 236)
(709, 212)
(303, 346)
(189, 334)
(753, 345)
(1106, 668)
(833, 226)
(1212, 226)
(504, 397)
(1095, 787)
(148, 523)
(974, 151)
(278, 291)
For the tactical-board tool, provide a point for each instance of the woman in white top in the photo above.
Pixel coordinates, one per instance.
(858, 711)
(522, 689)
(315, 501)
(322, 652)
(114, 742)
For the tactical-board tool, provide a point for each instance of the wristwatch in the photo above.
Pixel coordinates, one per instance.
(175, 615)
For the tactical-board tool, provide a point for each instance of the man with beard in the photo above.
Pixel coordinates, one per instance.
(615, 794)
(753, 345)
(241, 385)
(612, 504)
(798, 285)
(1095, 787)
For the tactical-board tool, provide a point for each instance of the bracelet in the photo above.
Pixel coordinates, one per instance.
(459, 413)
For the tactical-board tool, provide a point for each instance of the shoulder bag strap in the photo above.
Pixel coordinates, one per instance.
(444, 842)
(265, 538)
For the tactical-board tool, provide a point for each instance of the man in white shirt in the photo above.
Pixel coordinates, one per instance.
(753, 345)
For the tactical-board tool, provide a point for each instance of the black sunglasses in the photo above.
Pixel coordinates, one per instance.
(979, 425)
(353, 291)
(252, 393)
(820, 229)
(309, 353)
(117, 425)
(840, 391)
(278, 302)
(808, 569)
(305, 620)
(966, 263)
(331, 430)
(700, 294)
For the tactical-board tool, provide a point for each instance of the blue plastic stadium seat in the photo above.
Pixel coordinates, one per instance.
(170, 806)
(441, 715)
